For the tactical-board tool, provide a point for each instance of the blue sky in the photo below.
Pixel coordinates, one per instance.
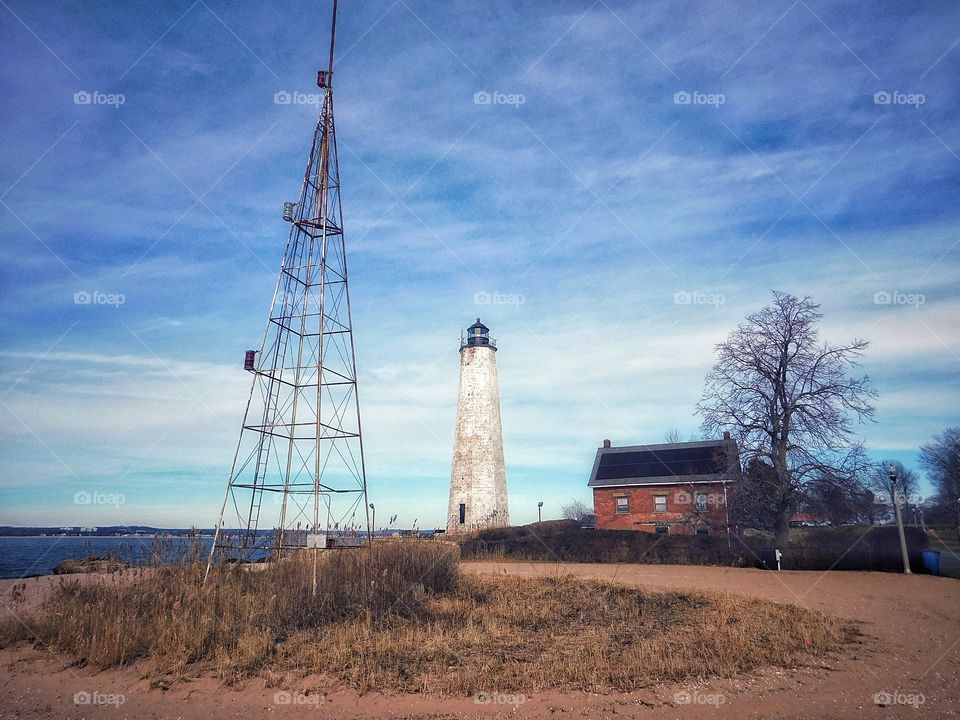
(608, 232)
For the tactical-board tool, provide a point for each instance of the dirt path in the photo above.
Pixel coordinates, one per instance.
(912, 651)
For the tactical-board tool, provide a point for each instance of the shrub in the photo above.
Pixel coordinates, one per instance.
(241, 613)
(841, 548)
(566, 541)
(853, 548)
(397, 618)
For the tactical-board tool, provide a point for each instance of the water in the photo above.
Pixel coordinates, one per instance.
(23, 556)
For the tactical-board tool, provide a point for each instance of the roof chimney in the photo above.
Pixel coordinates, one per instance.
(606, 443)
(726, 434)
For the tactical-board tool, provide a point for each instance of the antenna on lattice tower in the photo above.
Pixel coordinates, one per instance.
(298, 477)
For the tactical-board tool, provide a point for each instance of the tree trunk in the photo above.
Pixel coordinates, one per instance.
(781, 530)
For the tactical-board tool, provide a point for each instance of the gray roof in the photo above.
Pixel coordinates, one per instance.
(666, 464)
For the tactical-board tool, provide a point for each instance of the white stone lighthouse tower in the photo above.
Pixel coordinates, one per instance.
(478, 481)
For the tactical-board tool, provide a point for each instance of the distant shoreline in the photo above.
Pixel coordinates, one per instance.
(101, 531)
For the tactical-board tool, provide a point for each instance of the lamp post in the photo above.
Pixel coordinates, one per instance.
(892, 472)
(374, 521)
(539, 514)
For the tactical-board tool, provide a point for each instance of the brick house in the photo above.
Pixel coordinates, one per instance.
(678, 488)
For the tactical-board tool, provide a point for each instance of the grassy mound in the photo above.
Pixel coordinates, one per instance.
(398, 617)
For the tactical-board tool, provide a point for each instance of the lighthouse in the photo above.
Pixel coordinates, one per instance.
(478, 479)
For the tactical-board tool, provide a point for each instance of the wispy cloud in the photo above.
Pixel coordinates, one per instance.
(668, 165)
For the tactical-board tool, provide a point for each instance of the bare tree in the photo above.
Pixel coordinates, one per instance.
(788, 400)
(837, 503)
(941, 460)
(672, 436)
(752, 501)
(908, 485)
(576, 510)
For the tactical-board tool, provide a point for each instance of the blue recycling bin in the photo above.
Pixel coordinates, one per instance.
(931, 561)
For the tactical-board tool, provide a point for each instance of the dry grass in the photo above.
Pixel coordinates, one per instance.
(398, 617)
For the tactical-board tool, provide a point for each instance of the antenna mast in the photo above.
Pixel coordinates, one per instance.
(300, 450)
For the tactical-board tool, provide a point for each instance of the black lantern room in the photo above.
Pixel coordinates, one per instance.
(477, 334)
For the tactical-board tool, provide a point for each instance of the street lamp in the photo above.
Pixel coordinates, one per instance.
(374, 521)
(892, 472)
(539, 514)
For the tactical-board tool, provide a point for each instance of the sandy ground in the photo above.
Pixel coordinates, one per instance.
(911, 652)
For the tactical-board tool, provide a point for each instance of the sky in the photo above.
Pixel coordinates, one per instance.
(610, 186)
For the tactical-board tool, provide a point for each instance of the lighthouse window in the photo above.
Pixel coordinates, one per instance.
(463, 513)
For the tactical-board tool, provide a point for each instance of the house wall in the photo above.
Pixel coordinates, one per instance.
(642, 515)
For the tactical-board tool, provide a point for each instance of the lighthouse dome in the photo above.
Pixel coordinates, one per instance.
(477, 335)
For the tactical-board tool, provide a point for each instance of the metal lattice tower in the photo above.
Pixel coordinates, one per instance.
(298, 478)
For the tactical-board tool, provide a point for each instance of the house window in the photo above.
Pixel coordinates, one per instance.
(703, 531)
(463, 513)
(660, 503)
(662, 530)
(623, 504)
(700, 501)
